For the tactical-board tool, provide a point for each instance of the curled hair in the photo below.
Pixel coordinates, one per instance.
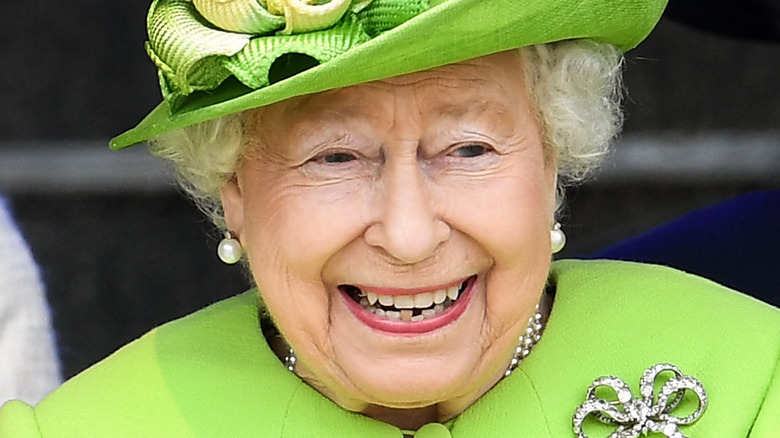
(206, 156)
(575, 87)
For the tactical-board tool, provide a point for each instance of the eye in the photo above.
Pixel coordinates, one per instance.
(337, 157)
(470, 150)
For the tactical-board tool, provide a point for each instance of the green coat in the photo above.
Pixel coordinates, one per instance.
(211, 374)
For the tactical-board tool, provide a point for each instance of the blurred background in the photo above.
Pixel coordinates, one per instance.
(121, 250)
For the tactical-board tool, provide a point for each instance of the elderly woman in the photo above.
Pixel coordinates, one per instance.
(390, 171)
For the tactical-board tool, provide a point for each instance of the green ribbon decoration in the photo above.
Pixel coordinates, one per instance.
(192, 54)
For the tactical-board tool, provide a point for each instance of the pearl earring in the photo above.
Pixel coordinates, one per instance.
(229, 249)
(557, 238)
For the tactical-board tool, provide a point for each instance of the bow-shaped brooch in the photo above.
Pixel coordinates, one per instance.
(645, 414)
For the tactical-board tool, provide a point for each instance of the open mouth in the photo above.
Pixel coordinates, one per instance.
(413, 308)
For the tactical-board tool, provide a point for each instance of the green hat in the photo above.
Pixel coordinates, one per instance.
(219, 57)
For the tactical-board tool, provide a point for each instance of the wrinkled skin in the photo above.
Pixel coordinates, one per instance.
(414, 181)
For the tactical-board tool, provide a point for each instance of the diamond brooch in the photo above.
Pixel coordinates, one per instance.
(641, 415)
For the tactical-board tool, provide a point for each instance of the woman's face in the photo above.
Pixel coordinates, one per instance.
(399, 193)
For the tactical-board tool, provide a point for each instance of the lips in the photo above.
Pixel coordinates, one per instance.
(408, 311)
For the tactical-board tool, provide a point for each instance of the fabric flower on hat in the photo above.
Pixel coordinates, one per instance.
(197, 45)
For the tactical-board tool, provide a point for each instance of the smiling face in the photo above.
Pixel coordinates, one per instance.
(399, 232)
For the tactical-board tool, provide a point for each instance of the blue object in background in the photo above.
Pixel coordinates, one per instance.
(736, 243)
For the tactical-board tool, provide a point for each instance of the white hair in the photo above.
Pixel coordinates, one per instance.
(575, 87)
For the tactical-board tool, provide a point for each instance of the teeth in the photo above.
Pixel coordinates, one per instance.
(452, 292)
(403, 302)
(386, 300)
(439, 296)
(424, 300)
(409, 307)
(408, 314)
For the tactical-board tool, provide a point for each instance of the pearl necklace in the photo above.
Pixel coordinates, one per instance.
(526, 341)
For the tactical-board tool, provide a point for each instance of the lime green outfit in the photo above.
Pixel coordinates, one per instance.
(212, 374)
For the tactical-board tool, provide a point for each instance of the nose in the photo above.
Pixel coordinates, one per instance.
(408, 226)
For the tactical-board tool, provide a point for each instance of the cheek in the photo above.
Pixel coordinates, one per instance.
(294, 236)
(300, 226)
(291, 232)
(286, 271)
(509, 215)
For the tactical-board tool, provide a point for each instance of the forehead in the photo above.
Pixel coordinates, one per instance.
(474, 85)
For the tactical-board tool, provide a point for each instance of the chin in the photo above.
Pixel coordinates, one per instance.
(411, 388)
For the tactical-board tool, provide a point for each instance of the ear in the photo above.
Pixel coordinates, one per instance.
(233, 207)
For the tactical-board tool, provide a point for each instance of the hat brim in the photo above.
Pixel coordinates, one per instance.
(452, 31)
